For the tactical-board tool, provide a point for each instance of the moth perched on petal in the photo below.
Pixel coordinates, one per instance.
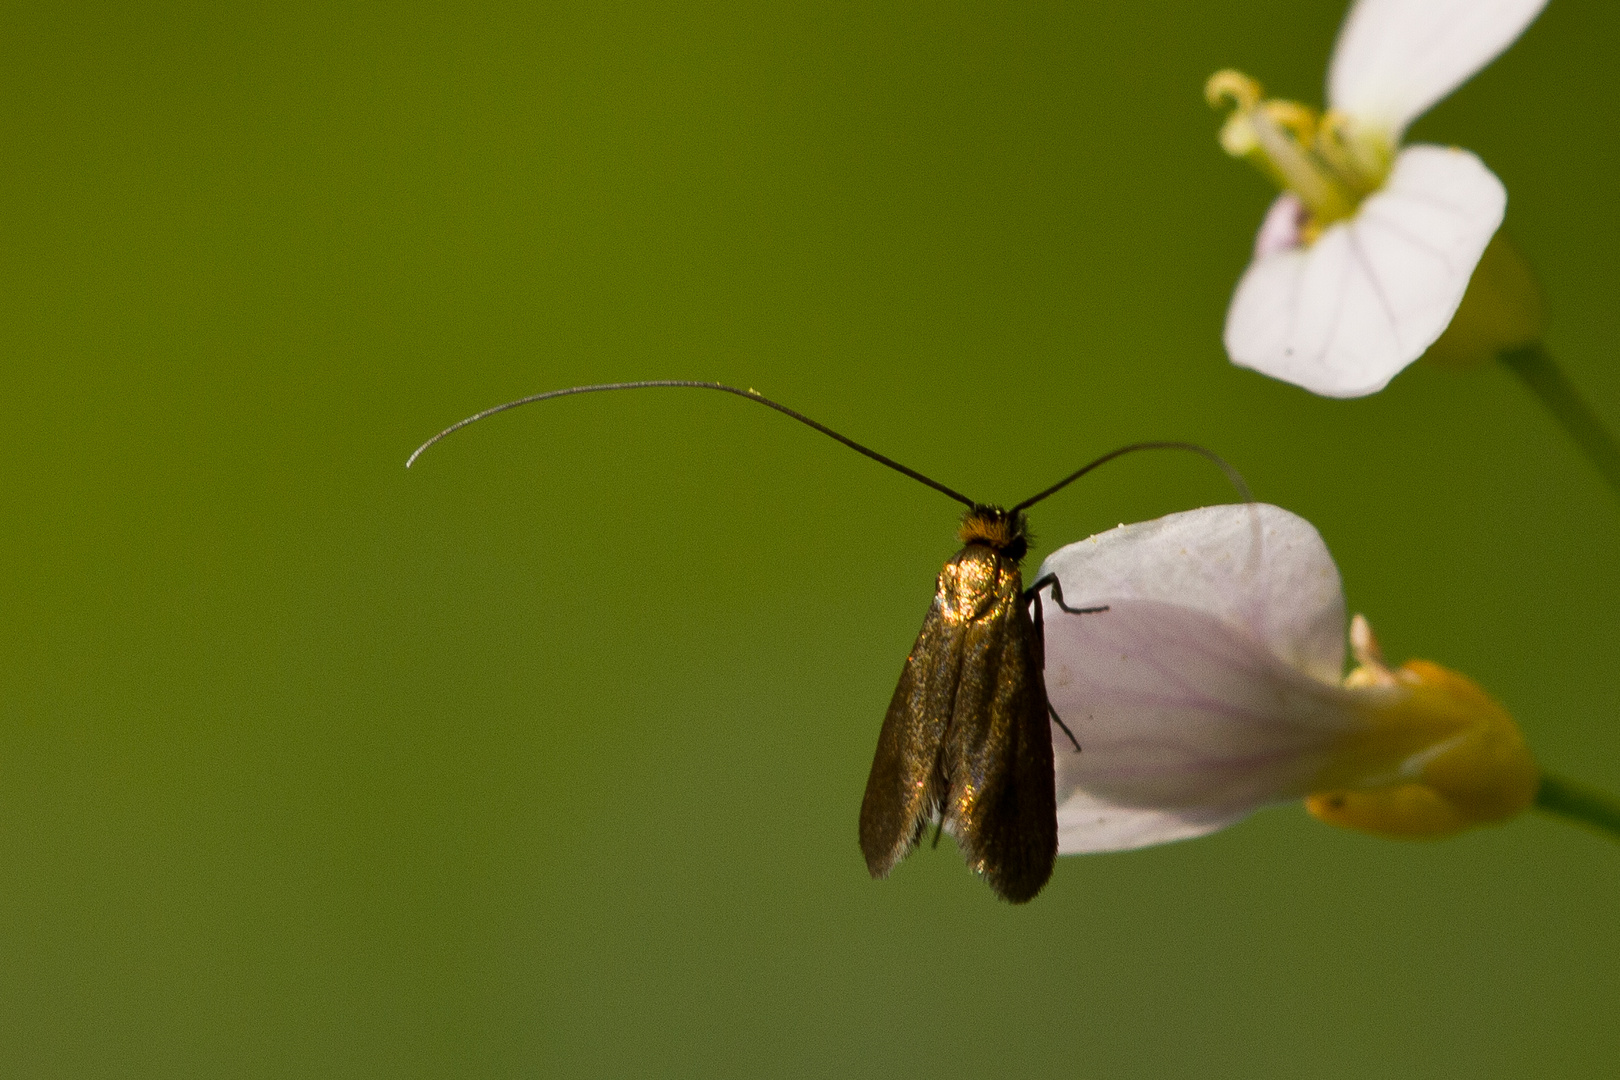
(967, 740)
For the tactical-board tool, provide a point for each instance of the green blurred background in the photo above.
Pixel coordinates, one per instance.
(545, 757)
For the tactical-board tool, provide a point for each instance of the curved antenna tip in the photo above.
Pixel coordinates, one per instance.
(749, 394)
(1232, 475)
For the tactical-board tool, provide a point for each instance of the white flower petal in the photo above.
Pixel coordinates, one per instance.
(1255, 567)
(1186, 724)
(1396, 58)
(1089, 825)
(1345, 315)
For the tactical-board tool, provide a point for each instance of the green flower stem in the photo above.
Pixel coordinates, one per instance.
(1587, 806)
(1544, 377)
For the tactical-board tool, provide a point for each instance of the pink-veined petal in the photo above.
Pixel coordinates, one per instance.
(1186, 723)
(1343, 316)
(1209, 686)
(1395, 58)
(1252, 566)
(1283, 226)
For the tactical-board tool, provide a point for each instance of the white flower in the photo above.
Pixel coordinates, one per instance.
(1212, 686)
(1362, 261)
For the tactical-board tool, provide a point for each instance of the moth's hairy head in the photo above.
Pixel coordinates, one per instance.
(1005, 532)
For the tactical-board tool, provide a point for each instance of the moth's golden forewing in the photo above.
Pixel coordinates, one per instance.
(1001, 805)
(905, 784)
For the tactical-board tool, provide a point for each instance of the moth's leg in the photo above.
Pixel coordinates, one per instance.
(1057, 596)
(1059, 721)
(1039, 619)
(1032, 595)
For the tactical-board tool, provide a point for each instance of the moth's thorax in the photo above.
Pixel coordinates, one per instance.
(1006, 532)
(975, 581)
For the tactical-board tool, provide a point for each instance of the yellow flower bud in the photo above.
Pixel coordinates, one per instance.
(1440, 756)
(1501, 311)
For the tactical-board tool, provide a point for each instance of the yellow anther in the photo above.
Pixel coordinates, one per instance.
(1234, 87)
(1296, 119)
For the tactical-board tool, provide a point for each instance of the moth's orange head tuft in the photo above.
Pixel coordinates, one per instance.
(1003, 531)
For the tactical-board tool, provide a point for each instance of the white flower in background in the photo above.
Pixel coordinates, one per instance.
(1362, 261)
(1212, 686)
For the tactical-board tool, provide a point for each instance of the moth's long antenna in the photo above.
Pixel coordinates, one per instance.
(749, 395)
(1225, 467)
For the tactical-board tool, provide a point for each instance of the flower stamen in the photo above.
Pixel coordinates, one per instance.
(1371, 669)
(1329, 163)
(1234, 87)
(1360, 158)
